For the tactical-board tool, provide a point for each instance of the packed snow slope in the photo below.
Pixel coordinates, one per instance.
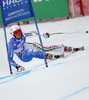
(64, 79)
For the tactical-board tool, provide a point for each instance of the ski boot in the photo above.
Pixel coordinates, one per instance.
(71, 49)
(78, 49)
(53, 57)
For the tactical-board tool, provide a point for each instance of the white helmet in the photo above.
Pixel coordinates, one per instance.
(14, 28)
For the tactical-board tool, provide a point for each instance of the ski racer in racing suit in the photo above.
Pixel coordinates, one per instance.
(26, 51)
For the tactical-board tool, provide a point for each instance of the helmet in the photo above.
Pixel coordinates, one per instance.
(15, 30)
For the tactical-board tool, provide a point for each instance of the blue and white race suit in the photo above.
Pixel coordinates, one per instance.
(26, 51)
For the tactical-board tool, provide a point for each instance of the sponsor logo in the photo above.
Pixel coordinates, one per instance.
(15, 12)
(9, 2)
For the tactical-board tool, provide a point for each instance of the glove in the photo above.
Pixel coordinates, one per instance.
(46, 35)
(20, 68)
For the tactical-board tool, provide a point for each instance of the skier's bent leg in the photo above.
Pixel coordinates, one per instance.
(39, 55)
(51, 48)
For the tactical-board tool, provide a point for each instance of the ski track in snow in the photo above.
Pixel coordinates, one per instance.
(4, 80)
(20, 74)
(83, 89)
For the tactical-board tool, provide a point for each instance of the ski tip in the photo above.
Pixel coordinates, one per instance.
(83, 48)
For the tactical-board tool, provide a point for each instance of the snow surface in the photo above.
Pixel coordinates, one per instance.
(64, 79)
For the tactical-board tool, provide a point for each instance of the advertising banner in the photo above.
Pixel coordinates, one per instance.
(13, 10)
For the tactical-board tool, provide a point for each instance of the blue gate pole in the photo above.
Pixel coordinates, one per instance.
(7, 50)
(7, 46)
(38, 34)
(41, 42)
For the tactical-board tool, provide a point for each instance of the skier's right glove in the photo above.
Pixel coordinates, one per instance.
(46, 35)
(20, 68)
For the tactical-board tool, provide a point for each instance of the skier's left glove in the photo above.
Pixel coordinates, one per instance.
(20, 68)
(46, 35)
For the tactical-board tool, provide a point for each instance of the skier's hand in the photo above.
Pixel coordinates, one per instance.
(46, 35)
(20, 68)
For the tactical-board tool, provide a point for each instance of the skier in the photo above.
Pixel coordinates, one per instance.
(26, 51)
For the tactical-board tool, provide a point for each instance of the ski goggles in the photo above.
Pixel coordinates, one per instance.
(16, 32)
